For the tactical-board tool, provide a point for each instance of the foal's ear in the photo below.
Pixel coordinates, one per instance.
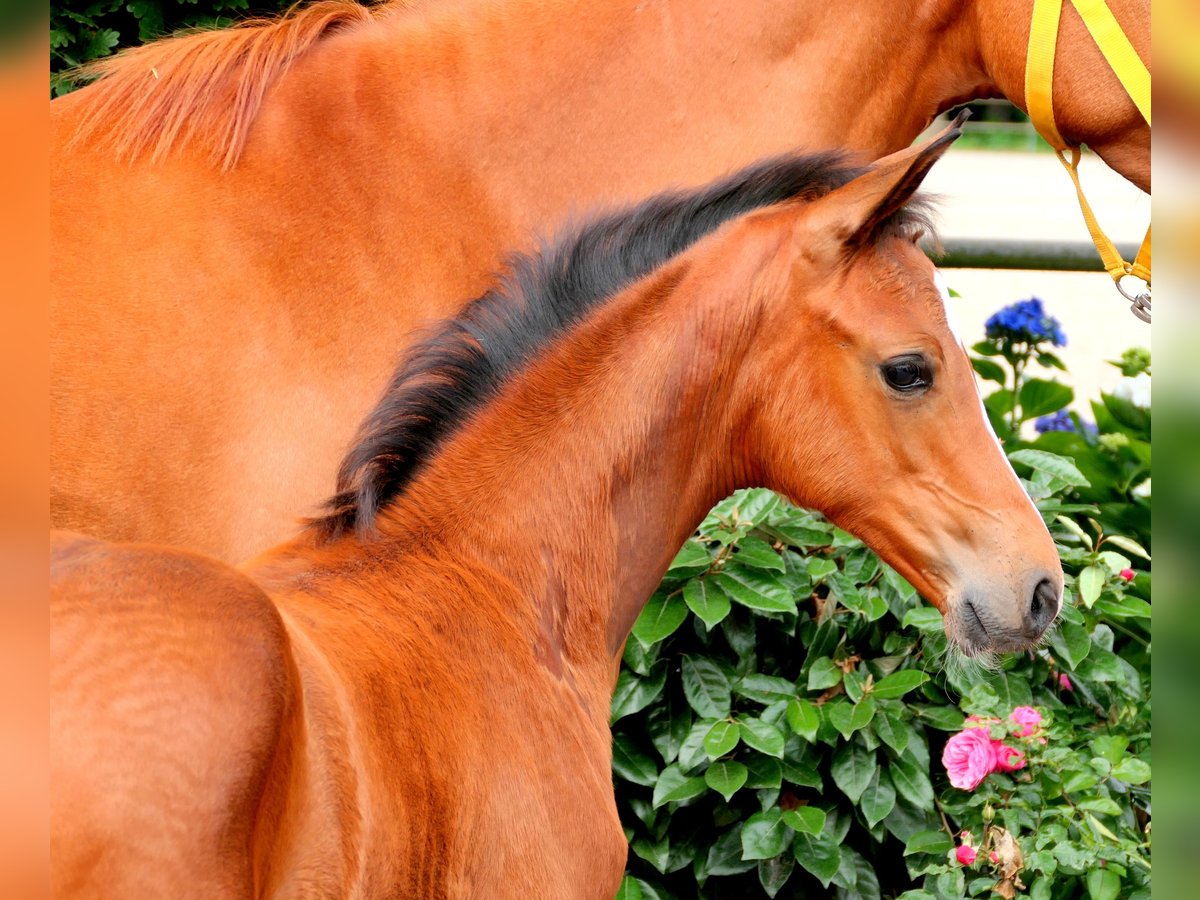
(847, 218)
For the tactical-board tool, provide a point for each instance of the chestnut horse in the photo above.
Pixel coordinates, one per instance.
(238, 213)
(411, 698)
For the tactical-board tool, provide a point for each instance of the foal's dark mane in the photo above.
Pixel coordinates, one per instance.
(466, 360)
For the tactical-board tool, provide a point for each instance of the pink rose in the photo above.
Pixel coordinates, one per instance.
(1027, 719)
(1127, 574)
(1007, 759)
(1064, 682)
(965, 855)
(969, 758)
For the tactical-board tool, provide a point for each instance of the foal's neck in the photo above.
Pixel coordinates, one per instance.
(580, 482)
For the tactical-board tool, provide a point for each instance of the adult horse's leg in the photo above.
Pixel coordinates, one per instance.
(170, 680)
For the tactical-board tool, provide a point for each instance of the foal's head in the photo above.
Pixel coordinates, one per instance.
(871, 414)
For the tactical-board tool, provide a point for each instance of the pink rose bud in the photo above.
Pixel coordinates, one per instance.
(965, 855)
(1027, 720)
(1127, 574)
(994, 857)
(1064, 682)
(1007, 759)
(969, 758)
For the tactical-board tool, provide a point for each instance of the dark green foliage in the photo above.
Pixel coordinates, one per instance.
(86, 30)
(784, 700)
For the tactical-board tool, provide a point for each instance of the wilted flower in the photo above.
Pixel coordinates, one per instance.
(1027, 719)
(969, 758)
(1026, 322)
(965, 855)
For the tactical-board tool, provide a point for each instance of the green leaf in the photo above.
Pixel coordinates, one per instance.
(707, 601)
(725, 855)
(846, 592)
(631, 764)
(1091, 583)
(803, 718)
(720, 739)
(1102, 805)
(899, 683)
(935, 842)
(847, 718)
(890, 730)
(773, 874)
(629, 889)
(1051, 464)
(692, 559)
(1072, 643)
(706, 687)
(726, 777)
(823, 674)
(765, 773)
(674, 785)
(764, 835)
(1132, 770)
(657, 853)
(911, 781)
(755, 590)
(943, 718)
(819, 854)
(819, 567)
(668, 724)
(661, 616)
(923, 618)
(1128, 545)
(765, 689)
(762, 736)
(758, 555)
(852, 769)
(805, 819)
(1103, 884)
(633, 694)
(1040, 398)
(989, 370)
(878, 799)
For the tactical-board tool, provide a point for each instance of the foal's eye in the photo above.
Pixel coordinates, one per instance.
(907, 374)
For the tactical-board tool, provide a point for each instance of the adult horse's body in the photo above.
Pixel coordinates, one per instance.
(225, 315)
(411, 698)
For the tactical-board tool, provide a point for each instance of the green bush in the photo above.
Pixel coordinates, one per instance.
(785, 697)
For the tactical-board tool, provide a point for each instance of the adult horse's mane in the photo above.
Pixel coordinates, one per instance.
(467, 360)
(205, 85)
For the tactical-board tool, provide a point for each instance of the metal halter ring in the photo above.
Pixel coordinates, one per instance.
(1139, 301)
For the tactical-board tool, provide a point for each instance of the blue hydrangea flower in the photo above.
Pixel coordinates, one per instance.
(1062, 421)
(1059, 421)
(1027, 322)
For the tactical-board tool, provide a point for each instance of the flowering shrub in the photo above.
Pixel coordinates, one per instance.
(788, 721)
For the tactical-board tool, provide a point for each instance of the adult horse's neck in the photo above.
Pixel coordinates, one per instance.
(654, 93)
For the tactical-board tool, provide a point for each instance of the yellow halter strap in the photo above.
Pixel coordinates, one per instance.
(1039, 99)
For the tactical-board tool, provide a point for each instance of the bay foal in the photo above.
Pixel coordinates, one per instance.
(412, 697)
(238, 213)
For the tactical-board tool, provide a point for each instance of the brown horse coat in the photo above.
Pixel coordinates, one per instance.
(260, 219)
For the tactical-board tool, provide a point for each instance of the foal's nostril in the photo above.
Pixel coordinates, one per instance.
(1042, 608)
